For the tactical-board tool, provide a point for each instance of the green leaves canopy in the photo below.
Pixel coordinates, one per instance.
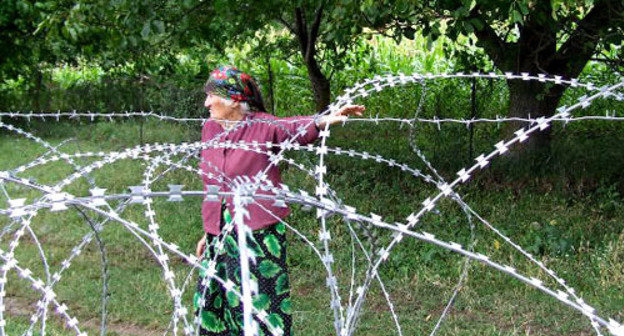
(553, 36)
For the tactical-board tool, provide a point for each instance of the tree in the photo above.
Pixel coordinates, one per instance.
(124, 30)
(22, 52)
(556, 37)
(323, 30)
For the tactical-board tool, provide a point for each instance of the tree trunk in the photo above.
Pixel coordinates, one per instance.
(532, 99)
(307, 44)
(321, 89)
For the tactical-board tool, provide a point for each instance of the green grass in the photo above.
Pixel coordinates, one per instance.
(570, 217)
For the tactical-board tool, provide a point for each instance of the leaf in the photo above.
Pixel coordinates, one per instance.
(213, 286)
(211, 322)
(233, 300)
(276, 320)
(160, 26)
(217, 302)
(409, 32)
(469, 4)
(516, 16)
(196, 299)
(477, 23)
(230, 320)
(268, 269)
(255, 247)
(556, 5)
(146, 30)
(72, 33)
(227, 217)
(460, 12)
(280, 228)
(231, 247)
(281, 285)
(261, 301)
(237, 274)
(272, 244)
(286, 306)
(202, 272)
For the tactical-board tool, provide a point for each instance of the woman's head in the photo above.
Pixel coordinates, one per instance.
(224, 109)
(235, 88)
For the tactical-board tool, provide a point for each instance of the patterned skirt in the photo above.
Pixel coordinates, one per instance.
(220, 312)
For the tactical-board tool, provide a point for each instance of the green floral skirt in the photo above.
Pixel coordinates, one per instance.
(220, 312)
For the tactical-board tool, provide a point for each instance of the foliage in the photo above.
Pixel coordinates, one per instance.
(19, 51)
(514, 32)
(143, 32)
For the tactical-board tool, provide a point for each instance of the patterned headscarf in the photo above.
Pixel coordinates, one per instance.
(230, 83)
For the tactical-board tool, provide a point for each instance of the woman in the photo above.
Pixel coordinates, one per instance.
(237, 115)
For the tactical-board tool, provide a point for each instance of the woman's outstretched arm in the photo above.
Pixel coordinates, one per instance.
(292, 125)
(340, 115)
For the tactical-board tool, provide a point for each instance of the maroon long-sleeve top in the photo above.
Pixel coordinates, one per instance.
(231, 163)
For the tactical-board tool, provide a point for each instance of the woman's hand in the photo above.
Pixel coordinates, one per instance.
(341, 115)
(201, 246)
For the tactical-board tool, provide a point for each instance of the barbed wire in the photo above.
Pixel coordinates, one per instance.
(246, 191)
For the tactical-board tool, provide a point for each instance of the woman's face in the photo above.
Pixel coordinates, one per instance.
(222, 108)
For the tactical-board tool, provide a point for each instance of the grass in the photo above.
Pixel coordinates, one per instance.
(570, 217)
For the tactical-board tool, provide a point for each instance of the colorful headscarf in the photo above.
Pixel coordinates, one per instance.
(230, 83)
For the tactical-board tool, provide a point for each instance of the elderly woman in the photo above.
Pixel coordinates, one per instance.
(237, 114)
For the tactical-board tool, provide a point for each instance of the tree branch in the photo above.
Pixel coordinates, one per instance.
(489, 40)
(287, 25)
(314, 30)
(301, 31)
(581, 45)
